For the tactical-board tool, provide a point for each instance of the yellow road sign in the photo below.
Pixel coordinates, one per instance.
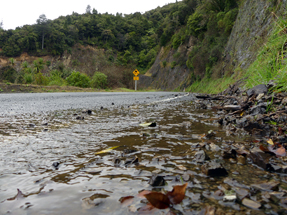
(136, 72)
(136, 78)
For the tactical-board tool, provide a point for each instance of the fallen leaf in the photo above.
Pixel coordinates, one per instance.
(143, 193)
(106, 150)
(279, 152)
(242, 113)
(147, 209)
(177, 194)
(270, 142)
(127, 200)
(158, 200)
(280, 131)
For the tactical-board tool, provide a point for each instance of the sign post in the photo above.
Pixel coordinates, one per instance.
(136, 78)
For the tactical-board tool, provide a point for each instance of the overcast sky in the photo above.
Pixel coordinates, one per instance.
(16, 13)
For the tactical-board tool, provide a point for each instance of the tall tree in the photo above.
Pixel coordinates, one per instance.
(43, 26)
(1, 25)
(88, 9)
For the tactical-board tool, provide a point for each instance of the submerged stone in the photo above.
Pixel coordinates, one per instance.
(201, 156)
(213, 169)
(156, 180)
(271, 185)
(250, 203)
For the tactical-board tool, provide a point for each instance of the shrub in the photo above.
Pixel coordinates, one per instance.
(173, 64)
(41, 79)
(99, 80)
(56, 78)
(78, 79)
(28, 78)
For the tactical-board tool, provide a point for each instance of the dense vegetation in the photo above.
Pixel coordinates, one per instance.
(133, 39)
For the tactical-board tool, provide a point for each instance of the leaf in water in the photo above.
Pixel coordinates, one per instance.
(148, 209)
(143, 193)
(106, 150)
(177, 194)
(127, 200)
(270, 142)
(148, 124)
(158, 200)
(279, 152)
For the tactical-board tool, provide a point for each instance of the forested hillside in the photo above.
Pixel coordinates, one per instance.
(186, 38)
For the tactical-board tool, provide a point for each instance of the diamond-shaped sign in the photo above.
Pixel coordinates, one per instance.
(136, 72)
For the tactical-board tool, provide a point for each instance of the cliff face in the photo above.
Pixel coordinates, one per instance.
(252, 27)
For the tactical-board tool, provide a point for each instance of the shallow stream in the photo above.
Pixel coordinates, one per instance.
(50, 158)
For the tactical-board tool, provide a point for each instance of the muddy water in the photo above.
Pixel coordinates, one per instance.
(51, 159)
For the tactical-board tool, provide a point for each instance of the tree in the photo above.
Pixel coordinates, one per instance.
(1, 25)
(43, 27)
(88, 9)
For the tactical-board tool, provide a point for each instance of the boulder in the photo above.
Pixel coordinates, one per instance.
(261, 88)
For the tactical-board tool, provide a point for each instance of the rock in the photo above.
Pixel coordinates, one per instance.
(248, 123)
(259, 96)
(134, 160)
(213, 169)
(56, 164)
(261, 88)
(241, 159)
(284, 101)
(229, 198)
(258, 109)
(232, 107)
(117, 161)
(201, 156)
(251, 204)
(259, 157)
(156, 180)
(241, 193)
(228, 153)
(214, 147)
(271, 185)
(80, 118)
(31, 125)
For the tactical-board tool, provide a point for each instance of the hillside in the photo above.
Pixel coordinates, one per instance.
(190, 45)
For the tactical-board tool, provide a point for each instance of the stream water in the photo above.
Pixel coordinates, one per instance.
(50, 158)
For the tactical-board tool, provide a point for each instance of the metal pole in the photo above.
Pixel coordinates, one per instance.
(136, 85)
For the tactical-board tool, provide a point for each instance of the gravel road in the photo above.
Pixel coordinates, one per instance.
(14, 104)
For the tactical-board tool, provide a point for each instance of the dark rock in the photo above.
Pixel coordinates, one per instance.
(80, 118)
(134, 160)
(248, 123)
(272, 185)
(102, 108)
(152, 124)
(258, 109)
(45, 129)
(250, 203)
(259, 158)
(44, 123)
(156, 180)
(228, 153)
(113, 103)
(261, 88)
(117, 161)
(56, 164)
(31, 125)
(210, 134)
(213, 169)
(201, 156)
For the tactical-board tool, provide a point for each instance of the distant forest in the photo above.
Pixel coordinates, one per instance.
(134, 38)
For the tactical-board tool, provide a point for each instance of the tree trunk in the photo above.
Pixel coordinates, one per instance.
(43, 35)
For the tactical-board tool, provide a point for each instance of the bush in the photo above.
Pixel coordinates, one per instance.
(40, 79)
(99, 80)
(78, 79)
(56, 78)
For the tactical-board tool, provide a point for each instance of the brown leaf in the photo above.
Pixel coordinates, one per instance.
(177, 194)
(279, 152)
(127, 200)
(263, 148)
(147, 209)
(143, 193)
(280, 131)
(158, 200)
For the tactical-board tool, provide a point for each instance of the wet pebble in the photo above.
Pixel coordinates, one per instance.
(251, 204)
(213, 169)
(156, 180)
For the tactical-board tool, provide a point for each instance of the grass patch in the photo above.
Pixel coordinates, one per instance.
(211, 86)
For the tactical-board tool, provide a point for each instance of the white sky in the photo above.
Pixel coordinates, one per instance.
(16, 13)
